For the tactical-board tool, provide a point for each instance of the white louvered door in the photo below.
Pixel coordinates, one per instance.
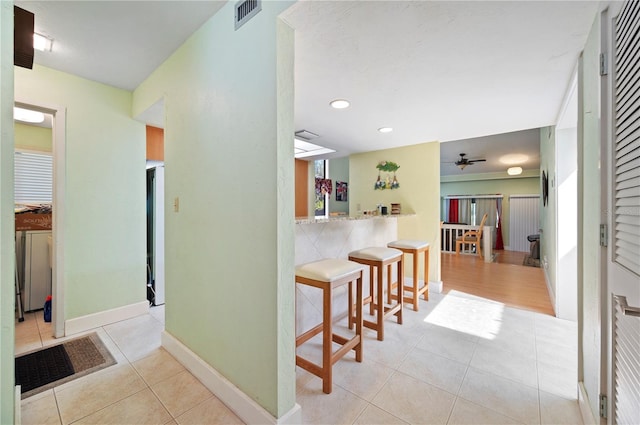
(624, 242)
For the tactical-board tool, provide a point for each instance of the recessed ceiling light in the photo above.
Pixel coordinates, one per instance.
(27, 115)
(385, 129)
(514, 171)
(42, 43)
(339, 104)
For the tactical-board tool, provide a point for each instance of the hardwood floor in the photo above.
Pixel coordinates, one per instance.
(506, 280)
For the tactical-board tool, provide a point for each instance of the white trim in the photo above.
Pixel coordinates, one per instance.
(474, 197)
(59, 214)
(531, 195)
(17, 405)
(58, 149)
(435, 287)
(552, 294)
(583, 403)
(106, 317)
(241, 404)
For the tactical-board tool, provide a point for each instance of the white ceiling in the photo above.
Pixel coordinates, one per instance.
(495, 150)
(432, 70)
(118, 43)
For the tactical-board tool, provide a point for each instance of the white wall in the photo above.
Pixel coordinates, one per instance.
(567, 218)
(229, 159)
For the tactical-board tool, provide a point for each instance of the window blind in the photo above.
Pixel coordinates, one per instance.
(33, 175)
(627, 139)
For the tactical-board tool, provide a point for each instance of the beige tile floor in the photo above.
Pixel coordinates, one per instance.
(459, 360)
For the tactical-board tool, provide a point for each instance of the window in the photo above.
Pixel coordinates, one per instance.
(33, 177)
(322, 197)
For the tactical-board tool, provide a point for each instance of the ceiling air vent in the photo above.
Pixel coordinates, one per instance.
(246, 10)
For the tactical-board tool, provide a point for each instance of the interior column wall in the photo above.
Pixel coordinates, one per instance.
(7, 220)
(230, 244)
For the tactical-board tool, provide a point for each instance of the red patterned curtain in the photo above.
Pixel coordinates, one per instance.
(499, 241)
(453, 211)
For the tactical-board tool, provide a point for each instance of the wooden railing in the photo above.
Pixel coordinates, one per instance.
(450, 232)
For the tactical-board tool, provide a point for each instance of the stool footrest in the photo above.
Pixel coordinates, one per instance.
(348, 344)
(302, 338)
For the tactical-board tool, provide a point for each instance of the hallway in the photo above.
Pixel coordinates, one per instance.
(462, 359)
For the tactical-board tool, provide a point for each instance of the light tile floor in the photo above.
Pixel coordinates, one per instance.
(459, 360)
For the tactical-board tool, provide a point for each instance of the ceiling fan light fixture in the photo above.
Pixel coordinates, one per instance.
(339, 104)
(462, 166)
(514, 171)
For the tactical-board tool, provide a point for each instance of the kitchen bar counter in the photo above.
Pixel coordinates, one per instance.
(335, 237)
(311, 220)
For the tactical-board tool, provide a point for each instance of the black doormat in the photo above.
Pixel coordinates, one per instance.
(52, 366)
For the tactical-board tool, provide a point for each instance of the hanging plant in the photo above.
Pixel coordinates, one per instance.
(387, 182)
(388, 166)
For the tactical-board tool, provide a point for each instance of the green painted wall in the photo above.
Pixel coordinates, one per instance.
(419, 192)
(229, 159)
(104, 235)
(7, 221)
(338, 171)
(32, 137)
(483, 185)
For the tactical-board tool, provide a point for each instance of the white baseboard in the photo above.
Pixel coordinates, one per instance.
(17, 415)
(241, 404)
(435, 287)
(102, 318)
(585, 410)
(552, 295)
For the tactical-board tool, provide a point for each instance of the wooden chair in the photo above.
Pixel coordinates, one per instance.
(472, 237)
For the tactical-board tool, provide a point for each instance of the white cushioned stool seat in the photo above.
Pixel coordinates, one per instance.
(376, 253)
(415, 247)
(328, 270)
(408, 244)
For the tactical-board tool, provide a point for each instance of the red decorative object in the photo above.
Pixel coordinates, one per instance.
(323, 186)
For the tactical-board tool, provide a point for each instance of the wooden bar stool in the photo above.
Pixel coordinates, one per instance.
(327, 275)
(415, 247)
(380, 258)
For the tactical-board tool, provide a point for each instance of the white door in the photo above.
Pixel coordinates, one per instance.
(623, 194)
(524, 220)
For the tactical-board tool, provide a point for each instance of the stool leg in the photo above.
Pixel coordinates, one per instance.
(380, 305)
(327, 333)
(389, 283)
(416, 280)
(400, 266)
(359, 318)
(350, 311)
(371, 293)
(426, 274)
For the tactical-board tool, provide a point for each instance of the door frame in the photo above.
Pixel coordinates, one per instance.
(58, 144)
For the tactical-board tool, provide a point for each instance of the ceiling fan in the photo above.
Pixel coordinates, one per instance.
(463, 161)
